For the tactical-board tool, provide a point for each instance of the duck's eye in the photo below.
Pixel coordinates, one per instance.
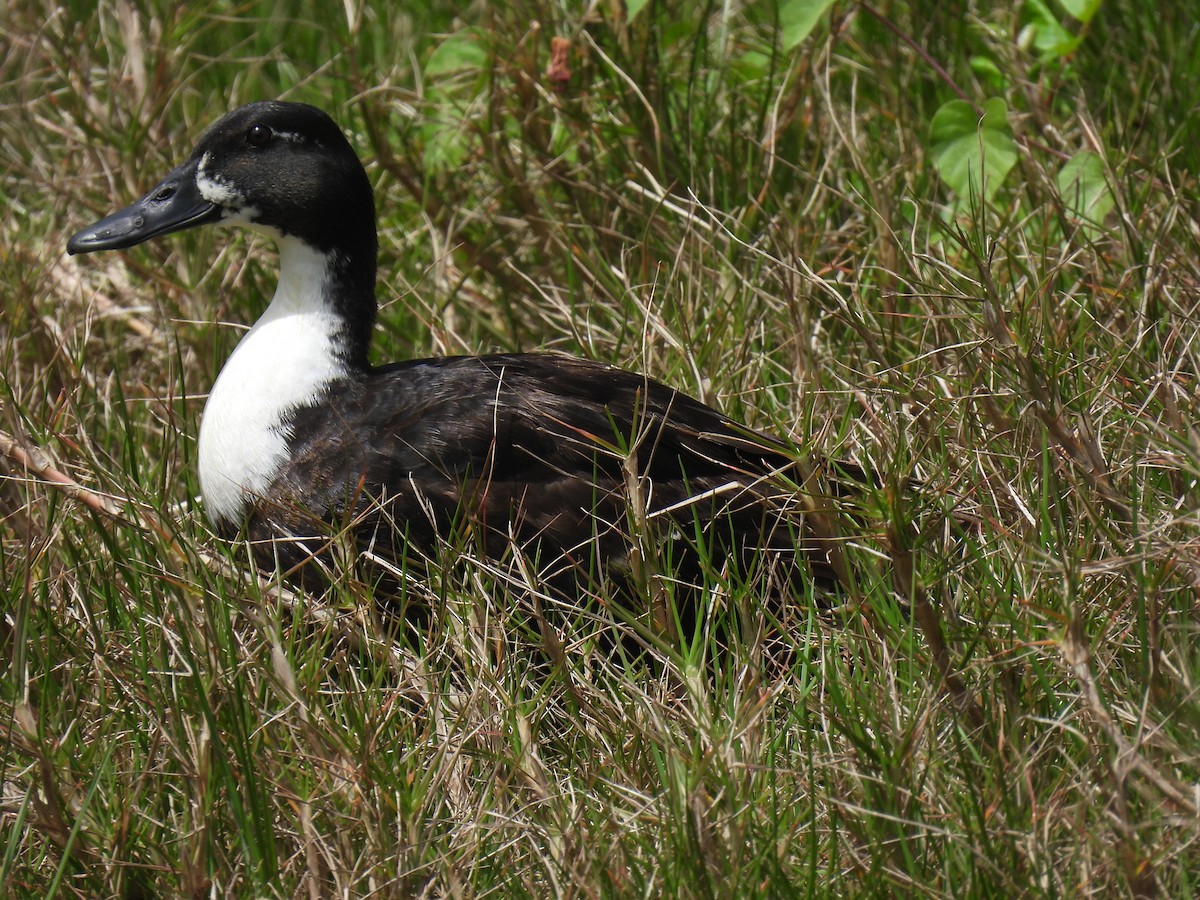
(258, 135)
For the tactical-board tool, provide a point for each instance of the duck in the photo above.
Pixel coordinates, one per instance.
(588, 474)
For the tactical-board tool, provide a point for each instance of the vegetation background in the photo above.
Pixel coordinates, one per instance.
(955, 240)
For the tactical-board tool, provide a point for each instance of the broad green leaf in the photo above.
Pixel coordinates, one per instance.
(1081, 10)
(446, 146)
(798, 18)
(973, 154)
(446, 137)
(633, 7)
(1083, 187)
(987, 71)
(464, 51)
(1046, 33)
(750, 65)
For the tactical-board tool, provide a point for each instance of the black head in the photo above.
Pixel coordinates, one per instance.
(282, 167)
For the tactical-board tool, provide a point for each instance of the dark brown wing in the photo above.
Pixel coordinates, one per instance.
(557, 457)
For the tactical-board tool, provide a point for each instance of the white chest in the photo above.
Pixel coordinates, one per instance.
(287, 360)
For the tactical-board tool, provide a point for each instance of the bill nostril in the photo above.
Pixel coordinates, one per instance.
(166, 193)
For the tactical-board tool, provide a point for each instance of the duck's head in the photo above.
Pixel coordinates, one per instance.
(282, 168)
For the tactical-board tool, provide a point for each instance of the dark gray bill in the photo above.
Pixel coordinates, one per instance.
(174, 204)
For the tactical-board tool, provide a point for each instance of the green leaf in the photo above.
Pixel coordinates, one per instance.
(750, 65)
(465, 51)
(1081, 10)
(1084, 189)
(454, 73)
(987, 71)
(798, 18)
(973, 154)
(633, 7)
(446, 146)
(1046, 33)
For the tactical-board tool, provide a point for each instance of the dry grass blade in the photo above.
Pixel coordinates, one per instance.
(1001, 702)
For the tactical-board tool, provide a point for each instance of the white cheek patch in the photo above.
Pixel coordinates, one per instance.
(218, 191)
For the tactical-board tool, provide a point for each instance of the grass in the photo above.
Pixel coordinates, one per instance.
(760, 226)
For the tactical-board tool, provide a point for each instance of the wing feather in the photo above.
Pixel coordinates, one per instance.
(538, 451)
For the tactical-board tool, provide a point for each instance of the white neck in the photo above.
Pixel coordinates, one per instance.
(285, 361)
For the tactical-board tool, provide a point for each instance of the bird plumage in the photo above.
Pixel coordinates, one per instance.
(554, 457)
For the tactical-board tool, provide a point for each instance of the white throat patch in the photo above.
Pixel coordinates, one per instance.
(285, 361)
